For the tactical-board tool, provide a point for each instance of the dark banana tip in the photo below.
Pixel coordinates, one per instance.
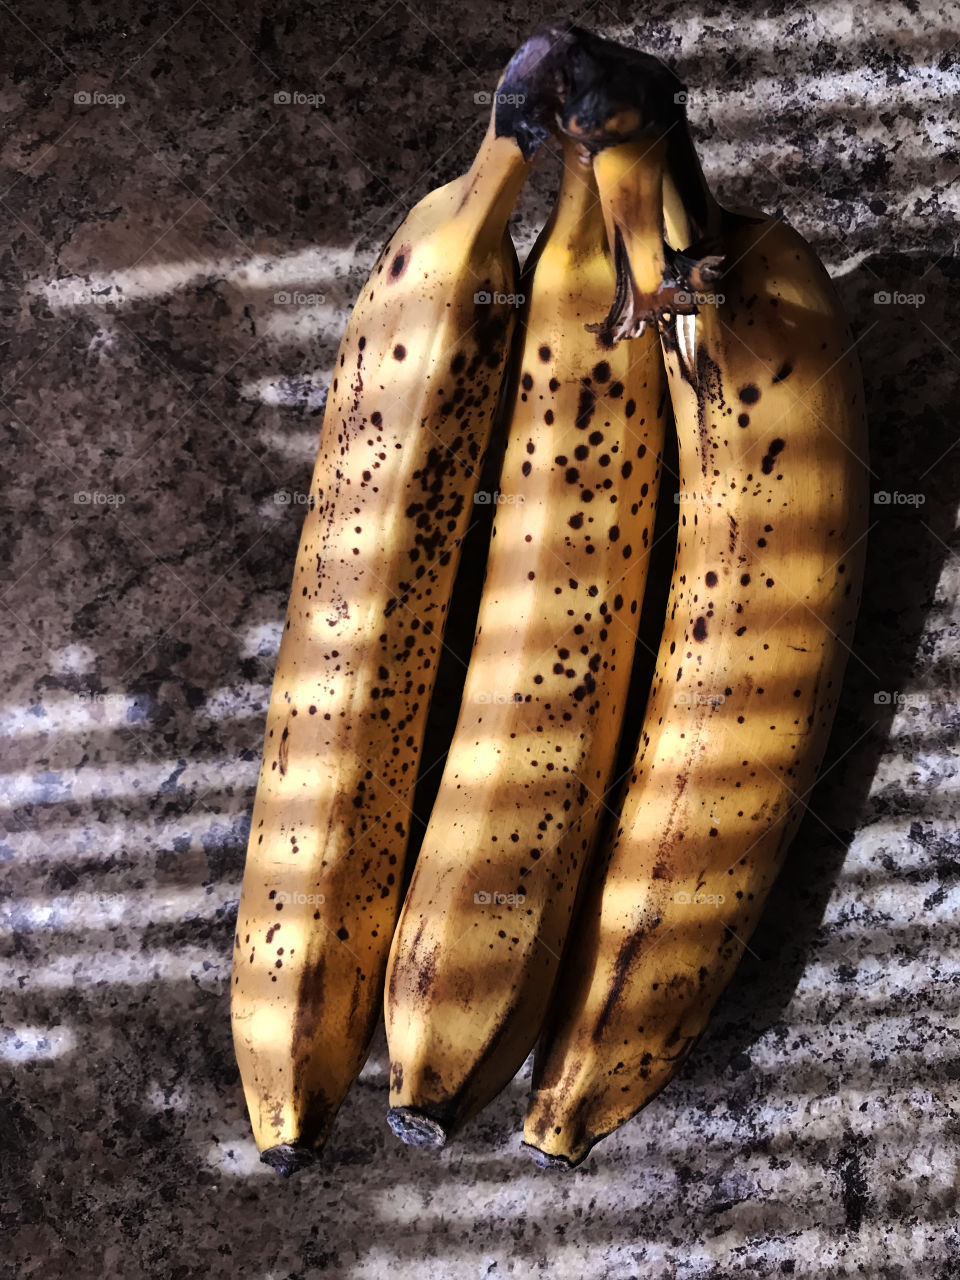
(287, 1158)
(416, 1129)
(546, 1161)
(526, 98)
(597, 91)
(611, 93)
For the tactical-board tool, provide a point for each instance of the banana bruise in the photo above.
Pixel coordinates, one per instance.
(406, 426)
(485, 919)
(769, 408)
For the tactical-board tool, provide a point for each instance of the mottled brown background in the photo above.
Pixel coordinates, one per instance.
(815, 1132)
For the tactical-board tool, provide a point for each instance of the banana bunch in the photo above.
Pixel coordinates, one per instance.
(529, 913)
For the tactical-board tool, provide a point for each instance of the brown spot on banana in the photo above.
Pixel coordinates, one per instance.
(400, 263)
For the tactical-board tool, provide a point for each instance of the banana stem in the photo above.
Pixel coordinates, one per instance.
(492, 183)
(654, 194)
(578, 197)
(630, 181)
(690, 212)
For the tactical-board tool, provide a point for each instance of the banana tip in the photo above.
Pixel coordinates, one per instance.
(416, 1129)
(287, 1158)
(547, 1161)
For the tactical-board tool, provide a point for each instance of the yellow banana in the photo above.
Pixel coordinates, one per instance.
(769, 410)
(406, 425)
(476, 948)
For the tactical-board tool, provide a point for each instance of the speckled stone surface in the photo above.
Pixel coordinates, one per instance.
(148, 364)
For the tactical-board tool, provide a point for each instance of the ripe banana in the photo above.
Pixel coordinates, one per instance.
(406, 426)
(476, 948)
(769, 409)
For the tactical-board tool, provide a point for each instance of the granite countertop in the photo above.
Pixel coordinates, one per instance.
(150, 369)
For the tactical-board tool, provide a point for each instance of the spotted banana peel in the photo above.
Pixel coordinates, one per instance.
(769, 411)
(476, 949)
(406, 426)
